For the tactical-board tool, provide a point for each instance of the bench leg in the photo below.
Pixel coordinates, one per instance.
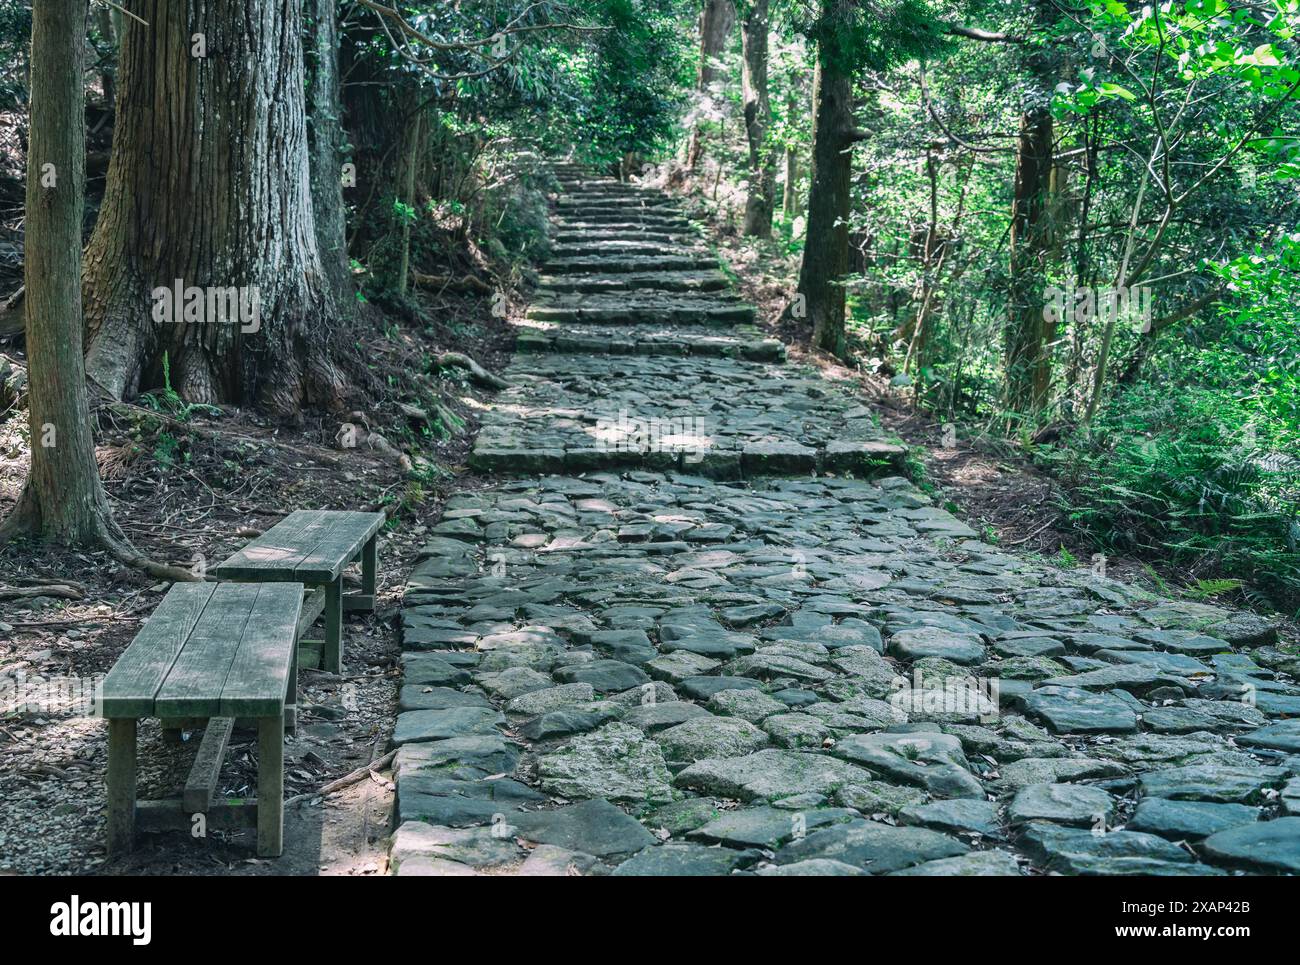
(332, 659)
(121, 784)
(370, 567)
(270, 786)
(291, 696)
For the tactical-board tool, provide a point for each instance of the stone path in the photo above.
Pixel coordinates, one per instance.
(699, 626)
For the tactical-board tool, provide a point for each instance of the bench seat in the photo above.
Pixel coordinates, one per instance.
(313, 547)
(214, 651)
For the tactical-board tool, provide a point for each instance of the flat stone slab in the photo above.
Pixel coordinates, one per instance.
(616, 762)
(1070, 710)
(876, 848)
(1213, 782)
(977, 864)
(1074, 851)
(1070, 804)
(705, 737)
(767, 827)
(594, 827)
(1264, 845)
(770, 774)
(956, 816)
(1188, 819)
(674, 860)
(427, 725)
(930, 760)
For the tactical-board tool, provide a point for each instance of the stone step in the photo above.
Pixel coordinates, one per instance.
(717, 416)
(743, 342)
(865, 460)
(568, 236)
(621, 216)
(639, 306)
(635, 229)
(669, 281)
(597, 249)
(614, 200)
(630, 263)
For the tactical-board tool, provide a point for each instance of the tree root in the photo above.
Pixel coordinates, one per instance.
(126, 554)
(347, 780)
(60, 590)
(464, 283)
(477, 373)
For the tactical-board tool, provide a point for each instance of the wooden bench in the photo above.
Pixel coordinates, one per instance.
(312, 547)
(213, 651)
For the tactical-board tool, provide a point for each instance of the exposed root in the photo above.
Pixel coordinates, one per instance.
(347, 780)
(477, 373)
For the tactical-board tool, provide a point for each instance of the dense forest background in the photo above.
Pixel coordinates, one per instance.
(1066, 227)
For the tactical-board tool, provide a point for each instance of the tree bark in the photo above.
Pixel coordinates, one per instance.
(790, 192)
(327, 143)
(410, 158)
(1027, 355)
(761, 198)
(63, 499)
(209, 184)
(716, 21)
(826, 246)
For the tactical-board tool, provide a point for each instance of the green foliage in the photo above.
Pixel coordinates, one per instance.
(874, 36)
(1195, 475)
(631, 83)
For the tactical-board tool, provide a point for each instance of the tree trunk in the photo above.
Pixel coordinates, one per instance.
(411, 157)
(826, 246)
(790, 193)
(761, 198)
(327, 143)
(104, 24)
(1028, 334)
(209, 190)
(63, 499)
(716, 21)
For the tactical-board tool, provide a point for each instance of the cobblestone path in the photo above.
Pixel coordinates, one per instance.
(701, 626)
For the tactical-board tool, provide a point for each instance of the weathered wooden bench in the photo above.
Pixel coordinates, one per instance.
(213, 651)
(312, 547)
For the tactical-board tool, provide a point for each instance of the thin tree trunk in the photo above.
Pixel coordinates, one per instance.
(104, 24)
(63, 499)
(758, 122)
(790, 193)
(716, 21)
(209, 187)
(326, 143)
(826, 246)
(410, 159)
(1027, 359)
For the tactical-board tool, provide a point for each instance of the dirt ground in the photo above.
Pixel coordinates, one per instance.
(189, 488)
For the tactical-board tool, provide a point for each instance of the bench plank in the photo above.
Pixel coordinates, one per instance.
(276, 553)
(258, 680)
(202, 782)
(325, 561)
(193, 687)
(133, 683)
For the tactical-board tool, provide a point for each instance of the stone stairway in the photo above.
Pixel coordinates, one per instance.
(636, 353)
(689, 629)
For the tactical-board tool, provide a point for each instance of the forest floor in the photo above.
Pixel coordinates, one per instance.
(189, 489)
